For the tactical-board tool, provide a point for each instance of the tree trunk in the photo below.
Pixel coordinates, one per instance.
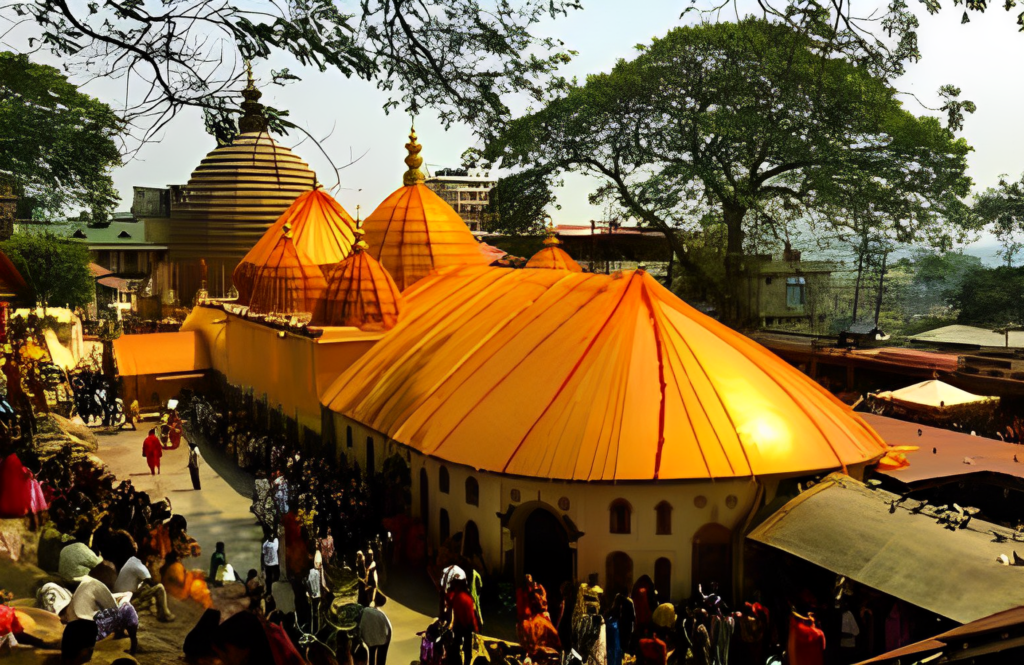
(735, 312)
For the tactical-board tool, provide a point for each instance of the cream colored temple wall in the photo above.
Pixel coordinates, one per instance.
(694, 505)
(291, 370)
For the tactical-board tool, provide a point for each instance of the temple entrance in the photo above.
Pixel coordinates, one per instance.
(546, 553)
(712, 559)
(424, 500)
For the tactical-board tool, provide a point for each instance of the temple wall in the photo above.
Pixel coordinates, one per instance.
(291, 370)
(694, 505)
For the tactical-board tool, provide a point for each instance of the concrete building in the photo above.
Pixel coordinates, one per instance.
(467, 191)
(788, 293)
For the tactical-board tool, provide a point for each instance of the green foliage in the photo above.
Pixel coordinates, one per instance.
(459, 57)
(748, 122)
(518, 202)
(1002, 209)
(991, 297)
(55, 267)
(57, 145)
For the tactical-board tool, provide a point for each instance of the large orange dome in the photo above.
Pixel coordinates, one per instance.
(321, 229)
(288, 282)
(414, 231)
(577, 376)
(360, 293)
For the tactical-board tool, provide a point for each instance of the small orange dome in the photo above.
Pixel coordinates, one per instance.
(288, 282)
(321, 229)
(414, 231)
(553, 257)
(360, 293)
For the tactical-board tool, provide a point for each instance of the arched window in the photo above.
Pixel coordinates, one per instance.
(443, 480)
(424, 498)
(620, 517)
(663, 578)
(618, 574)
(663, 515)
(472, 491)
(471, 540)
(445, 526)
(348, 436)
(370, 461)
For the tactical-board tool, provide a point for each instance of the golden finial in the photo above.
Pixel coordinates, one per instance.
(413, 160)
(253, 119)
(359, 245)
(287, 230)
(552, 238)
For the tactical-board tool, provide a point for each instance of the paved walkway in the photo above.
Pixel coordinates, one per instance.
(220, 512)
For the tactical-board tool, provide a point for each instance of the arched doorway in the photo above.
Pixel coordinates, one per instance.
(424, 500)
(712, 559)
(618, 574)
(546, 552)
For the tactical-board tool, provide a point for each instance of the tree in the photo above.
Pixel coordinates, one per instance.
(1002, 209)
(54, 266)
(991, 297)
(56, 144)
(457, 56)
(749, 122)
(518, 203)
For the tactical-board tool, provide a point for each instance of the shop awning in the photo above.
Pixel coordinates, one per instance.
(933, 394)
(160, 353)
(993, 634)
(845, 527)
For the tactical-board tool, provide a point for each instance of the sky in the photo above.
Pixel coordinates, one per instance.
(981, 57)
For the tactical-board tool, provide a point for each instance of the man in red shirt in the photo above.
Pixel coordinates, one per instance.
(464, 624)
(152, 451)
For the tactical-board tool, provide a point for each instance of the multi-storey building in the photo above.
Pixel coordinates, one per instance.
(466, 190)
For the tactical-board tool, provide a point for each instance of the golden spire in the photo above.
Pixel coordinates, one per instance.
(287, 230)
(413, 160)
(253, 119)
(552, 238)
(358, 244)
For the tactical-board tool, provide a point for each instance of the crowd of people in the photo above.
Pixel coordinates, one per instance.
(323, 592)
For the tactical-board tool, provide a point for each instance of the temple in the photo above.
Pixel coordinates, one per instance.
(572, 424)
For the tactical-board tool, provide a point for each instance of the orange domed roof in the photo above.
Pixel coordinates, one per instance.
(360, 293)
(321, 229)
(553, 257)
(414, 231)
(288, 282)
(578, 376)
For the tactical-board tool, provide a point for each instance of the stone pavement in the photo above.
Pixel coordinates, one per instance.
(220, 512)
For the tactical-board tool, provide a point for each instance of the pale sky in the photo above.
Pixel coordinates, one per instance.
(980, 57)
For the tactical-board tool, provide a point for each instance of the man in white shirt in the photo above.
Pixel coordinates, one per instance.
(135, 578)
(271, 564)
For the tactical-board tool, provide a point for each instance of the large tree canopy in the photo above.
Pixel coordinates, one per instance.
(750, 122)
(457, 56)
(55, 267)
(57, 145)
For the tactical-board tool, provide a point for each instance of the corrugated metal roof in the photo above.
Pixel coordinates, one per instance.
(970, 336)
(847, 528)
(951, 449)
